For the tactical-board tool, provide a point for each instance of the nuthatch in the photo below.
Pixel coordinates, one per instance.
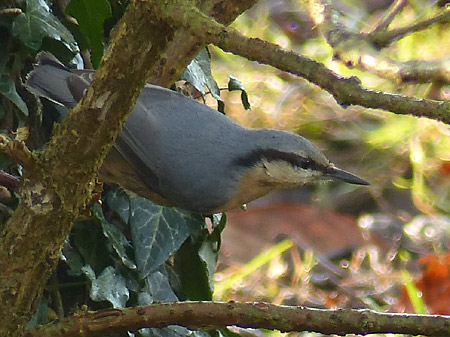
(178, 152)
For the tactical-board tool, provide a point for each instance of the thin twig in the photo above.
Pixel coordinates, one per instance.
(384, 38)
(17, 150)
(389, 16)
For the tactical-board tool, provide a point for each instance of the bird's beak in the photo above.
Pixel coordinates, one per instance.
(336, 173)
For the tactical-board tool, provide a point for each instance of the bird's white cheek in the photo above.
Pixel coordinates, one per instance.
(307, 176)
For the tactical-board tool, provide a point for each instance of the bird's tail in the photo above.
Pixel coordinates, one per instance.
(52, 80)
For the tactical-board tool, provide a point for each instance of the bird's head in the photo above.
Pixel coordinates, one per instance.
(290, 160)
(276, 160)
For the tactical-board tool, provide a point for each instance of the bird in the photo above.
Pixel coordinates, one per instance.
(178, 152)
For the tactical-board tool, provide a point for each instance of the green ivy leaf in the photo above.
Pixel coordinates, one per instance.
(195, 264)
(109, 286)
(117, 239)
(91, 16)
(159, 288)
(37, 22)
(119, 202)
(157, 232)
(41, 315)
(8, 89)
(73, 259)
(4, 56)
(89, 240)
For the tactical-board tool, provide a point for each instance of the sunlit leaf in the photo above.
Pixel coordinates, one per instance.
(235, 84)
(414, 294)
(198, 73)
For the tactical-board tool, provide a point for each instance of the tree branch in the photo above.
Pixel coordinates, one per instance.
(16, 149)
(183, 48)
(216, 315)
(346, 91)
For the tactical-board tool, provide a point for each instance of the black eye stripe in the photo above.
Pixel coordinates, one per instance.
(272, 155)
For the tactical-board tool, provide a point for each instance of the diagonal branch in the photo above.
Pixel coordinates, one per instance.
(182, 49)
(346, 91)
(217, 315)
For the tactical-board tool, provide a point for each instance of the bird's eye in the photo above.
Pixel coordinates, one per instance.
(306, 163)
(303, 163)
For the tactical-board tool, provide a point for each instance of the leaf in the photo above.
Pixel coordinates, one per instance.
(119, 201)
(109, 286)
(159, 288)
(219, 221)
(170, 331)
(37, 22)
(92, 245)
(117, 239)
(193, 263)
(157, 232)
(73, 260)
(4, 56)
(8, 89)
(235, 84)
(208, 255)
(414, 294)
(198, 73)
(91, 16)
(41, 315)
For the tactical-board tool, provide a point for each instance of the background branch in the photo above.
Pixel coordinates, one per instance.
(384, 38)
(182, 49)
(389, 16)
(358, 50)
